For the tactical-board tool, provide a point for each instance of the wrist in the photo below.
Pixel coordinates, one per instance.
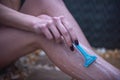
(28, 22)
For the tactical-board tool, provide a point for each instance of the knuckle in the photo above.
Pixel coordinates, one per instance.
(39, 27)
(56, 19)
(43, 26)
(50, 23)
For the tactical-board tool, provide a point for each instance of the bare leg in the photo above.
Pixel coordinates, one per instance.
(14, 44)
(69, 62)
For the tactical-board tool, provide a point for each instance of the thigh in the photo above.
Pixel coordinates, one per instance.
(12, 39)
(38, 7)
(14, 44)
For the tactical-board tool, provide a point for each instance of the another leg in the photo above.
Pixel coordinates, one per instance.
(14, 44)
(69, 62)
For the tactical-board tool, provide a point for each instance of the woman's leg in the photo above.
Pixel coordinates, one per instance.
(14, 44)
(69, 62)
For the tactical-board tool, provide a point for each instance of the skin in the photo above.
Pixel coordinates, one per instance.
(68, 61)
(51, 27)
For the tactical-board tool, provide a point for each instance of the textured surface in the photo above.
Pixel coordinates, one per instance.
(99, 20)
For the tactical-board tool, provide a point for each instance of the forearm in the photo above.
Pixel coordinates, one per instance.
(15, 19)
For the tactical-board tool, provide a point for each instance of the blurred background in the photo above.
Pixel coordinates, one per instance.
(100, 22)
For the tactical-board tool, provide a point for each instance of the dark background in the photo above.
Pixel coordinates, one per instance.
(99, 20)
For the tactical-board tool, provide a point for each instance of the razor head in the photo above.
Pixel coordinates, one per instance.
(89, 60)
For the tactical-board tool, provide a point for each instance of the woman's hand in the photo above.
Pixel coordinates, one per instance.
(52, 27)
(56, 28)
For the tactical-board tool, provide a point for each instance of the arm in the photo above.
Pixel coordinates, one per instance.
(42, 24)
(70, 62)
(16, 19)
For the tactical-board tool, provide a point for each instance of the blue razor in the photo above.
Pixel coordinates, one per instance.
(89, 59)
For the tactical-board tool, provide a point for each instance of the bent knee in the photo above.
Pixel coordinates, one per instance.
(38, 7)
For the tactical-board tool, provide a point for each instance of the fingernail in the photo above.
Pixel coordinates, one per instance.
(72, 48)
(76, 42)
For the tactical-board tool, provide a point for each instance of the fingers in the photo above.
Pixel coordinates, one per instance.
(54, 31)
(42, 29)
(46, 32)
(69, 29)
(63, 31)
(71, 32)
(57, 28)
